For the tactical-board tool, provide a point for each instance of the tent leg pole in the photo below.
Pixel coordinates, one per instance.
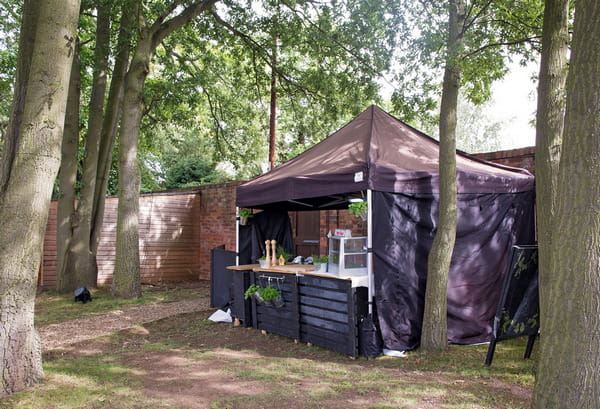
(237, 236)
(370, 248)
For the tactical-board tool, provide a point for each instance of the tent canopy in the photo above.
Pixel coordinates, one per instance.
(374, 151)
(399, 167)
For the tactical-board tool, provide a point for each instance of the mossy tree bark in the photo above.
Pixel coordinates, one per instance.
(28, 179)
(568, 374)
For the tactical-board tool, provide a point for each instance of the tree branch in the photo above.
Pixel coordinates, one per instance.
(262, 53)
(160, 30)
(499, 44)
(469, 22)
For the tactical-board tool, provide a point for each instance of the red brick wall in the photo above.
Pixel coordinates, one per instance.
(518, 158)
(217, 221)
(339, 219)
(177, 230)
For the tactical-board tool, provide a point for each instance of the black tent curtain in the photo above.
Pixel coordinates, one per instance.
(404, 227)
(270, 224)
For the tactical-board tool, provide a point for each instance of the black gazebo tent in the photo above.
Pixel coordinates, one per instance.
(396, 167)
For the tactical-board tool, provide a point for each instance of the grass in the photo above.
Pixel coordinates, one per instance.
(186, 361)
(52, 307)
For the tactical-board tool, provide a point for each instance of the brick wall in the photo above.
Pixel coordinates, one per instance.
(518, 158)
(339, 219)
(217, 221)
(178, 228)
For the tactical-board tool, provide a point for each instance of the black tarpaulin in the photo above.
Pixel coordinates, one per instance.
(271, 225)
(405, 225)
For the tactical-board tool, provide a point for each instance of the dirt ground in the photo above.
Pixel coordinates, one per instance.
(58, 335)
(219, 366)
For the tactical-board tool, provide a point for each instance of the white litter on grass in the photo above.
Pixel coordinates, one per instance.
(221, 316)
(391, 352)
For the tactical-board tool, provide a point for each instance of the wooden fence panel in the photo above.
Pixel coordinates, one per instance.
(170, 239)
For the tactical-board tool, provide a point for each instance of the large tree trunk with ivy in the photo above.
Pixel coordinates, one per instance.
(25, 194)
(67, 178)
(79, 257)
(126, 276)
(568, 374)
(434, 335)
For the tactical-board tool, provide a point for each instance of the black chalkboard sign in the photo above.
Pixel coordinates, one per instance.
(518, 312)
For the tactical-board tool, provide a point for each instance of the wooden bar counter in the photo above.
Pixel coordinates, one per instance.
(320, 309)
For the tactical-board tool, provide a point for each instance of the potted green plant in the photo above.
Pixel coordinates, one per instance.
(359, 209)
(286, 256)
(245, 214)
(320, 263)
(262, 261)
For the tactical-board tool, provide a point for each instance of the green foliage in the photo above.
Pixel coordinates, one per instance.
(192, 171)
(246, 213)
(358, 209)
(320, 259)
(251, 290)
(281, 251)
(264, 294)
(10, 20)
(269, 293)
(207, 92)
(494, 33)
(216, 74)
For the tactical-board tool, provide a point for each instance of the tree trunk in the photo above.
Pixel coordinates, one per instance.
(273, 107)
(79, 256)
(568, 374)
(67, 178)
(434, 335)
(25, 198)
(110, 122)
(549, 133)
(26, 41)
(126, 276)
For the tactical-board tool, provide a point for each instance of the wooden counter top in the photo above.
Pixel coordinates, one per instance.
(244, 267)
(287, 269)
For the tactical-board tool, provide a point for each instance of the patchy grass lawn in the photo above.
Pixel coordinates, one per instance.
(52, 308)
(186, 361)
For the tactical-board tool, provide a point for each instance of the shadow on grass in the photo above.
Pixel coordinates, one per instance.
(185, 361)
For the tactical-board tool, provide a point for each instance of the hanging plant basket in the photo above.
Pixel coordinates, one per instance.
(245, 215)
(268, 296)
(359, 209)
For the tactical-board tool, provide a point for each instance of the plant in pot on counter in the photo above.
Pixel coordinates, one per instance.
(265, 295)
(319, 263)
(281, 253)
(262, 261)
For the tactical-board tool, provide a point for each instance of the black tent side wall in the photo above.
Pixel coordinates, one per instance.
(404, 227)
